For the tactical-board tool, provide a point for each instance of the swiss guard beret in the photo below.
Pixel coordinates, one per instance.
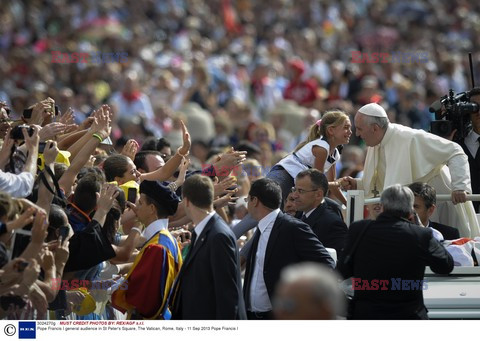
(161, 194)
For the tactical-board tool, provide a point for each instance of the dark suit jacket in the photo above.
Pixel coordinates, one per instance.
(392, 249)
(448, 232)
(291, 241)
(474, 173)
(328, 226)
(208, 286)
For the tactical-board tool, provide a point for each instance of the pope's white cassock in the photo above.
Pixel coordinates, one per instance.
(407, 155)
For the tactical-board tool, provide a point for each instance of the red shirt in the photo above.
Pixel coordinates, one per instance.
(302, 92)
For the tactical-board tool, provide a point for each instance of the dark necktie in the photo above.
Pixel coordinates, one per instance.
(194, 238)
(477, 156)
(187, 253)
(251, 266)
(304, 217)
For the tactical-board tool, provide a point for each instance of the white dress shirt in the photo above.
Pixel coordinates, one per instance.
(17, 185)
(154, 227)
(201, 225)
(259, 300)
(307, 214)
(471, 141)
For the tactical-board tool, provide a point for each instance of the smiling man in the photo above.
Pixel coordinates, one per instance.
(401, 155)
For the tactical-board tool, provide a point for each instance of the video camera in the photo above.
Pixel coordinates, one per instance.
(453, 112)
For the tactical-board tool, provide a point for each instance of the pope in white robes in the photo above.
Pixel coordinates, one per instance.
(401, 155)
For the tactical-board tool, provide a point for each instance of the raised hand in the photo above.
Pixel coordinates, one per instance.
(40, 111)
(39, 229)
(220, 187)
(183, 171)
(185, 148)
(31, 141)
(108, 194)
(87, 123)
(50, 152)
(6, 149)
(130, 149)
(51, 130)
(226, 163)
(68, 118)
(48, 260)
(24, 219)
(226, 199)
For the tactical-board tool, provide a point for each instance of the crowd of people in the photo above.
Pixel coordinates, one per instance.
(188, 123)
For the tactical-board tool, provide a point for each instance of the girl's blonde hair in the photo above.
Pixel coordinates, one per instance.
(333, 118)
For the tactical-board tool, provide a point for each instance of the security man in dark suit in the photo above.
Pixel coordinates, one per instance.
(279, 240)
(471, 147)
(386, 259)
(424, 205)
(311, 187)
(208, 286)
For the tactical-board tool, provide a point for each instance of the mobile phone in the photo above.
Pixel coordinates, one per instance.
(17, 134)
(63, 231)
(21, 266)
(41, 147)
(27, 113)
(132, 195)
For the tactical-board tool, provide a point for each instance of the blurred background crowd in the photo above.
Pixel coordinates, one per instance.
(259, 71)
(252, 75)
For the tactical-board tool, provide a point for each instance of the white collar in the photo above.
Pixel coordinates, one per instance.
(472, 138)
(154, 227)
(307, 214)
(268, 220)
(201, 225)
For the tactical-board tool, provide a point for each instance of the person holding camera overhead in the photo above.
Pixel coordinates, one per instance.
(19, 185)
(398, 154)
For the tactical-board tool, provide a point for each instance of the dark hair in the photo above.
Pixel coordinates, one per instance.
(95, 171)
(268, 192)
(56, 219)
(153, 143)
(201, 143)
(319, 180)
(115, 166)
(141, 157)
(85, 193)
(199, 190)
(249, 147)
(424, 191)
(121, 141)
(161, 211)
(214, 151)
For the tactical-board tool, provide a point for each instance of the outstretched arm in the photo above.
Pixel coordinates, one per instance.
(171, 166)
